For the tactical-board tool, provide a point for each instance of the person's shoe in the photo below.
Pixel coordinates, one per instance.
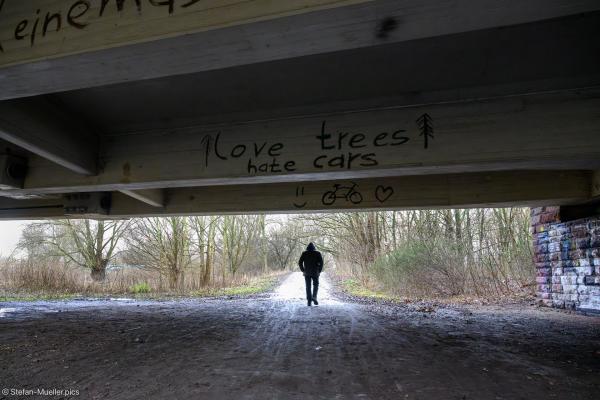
(309, 303)
(315, 301)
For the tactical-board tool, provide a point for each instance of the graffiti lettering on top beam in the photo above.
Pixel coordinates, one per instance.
(348, 193)
(79, 14)
(383, 193)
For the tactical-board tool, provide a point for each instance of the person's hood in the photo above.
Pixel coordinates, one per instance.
(311, 247)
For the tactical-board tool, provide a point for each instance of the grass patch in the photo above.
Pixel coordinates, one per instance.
(255, 286)
(37, 297)
(354, 288)
(140, 288)
(143, 291)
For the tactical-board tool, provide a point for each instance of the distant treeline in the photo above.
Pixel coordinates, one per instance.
(413, 253)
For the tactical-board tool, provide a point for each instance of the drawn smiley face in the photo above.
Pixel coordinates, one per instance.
(300, 193)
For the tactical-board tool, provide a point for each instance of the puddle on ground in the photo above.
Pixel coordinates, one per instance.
(16, 310)
(7, 311)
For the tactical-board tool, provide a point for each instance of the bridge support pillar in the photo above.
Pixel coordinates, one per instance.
(567, 257)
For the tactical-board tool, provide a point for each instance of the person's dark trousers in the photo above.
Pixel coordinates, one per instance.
(315, 289)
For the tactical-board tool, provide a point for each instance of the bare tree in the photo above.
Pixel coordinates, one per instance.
(33, 243)
(237, 232)
(262, 224)
(354, 237)
(205, 229)
(284, 242)
(161, 244)
(87, 243)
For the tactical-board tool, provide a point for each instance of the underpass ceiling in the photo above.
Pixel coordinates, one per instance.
(537, 57)
(530, 95)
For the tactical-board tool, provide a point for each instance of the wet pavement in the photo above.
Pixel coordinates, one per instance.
(275, 347)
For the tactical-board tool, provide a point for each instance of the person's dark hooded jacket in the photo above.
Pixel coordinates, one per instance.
(311, 261)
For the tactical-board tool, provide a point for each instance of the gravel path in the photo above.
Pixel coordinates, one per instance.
(275, 347)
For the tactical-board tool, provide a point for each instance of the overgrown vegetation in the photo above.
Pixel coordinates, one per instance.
(441, 253)
(28, 282)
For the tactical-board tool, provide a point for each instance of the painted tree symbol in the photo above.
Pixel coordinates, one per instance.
(425, 124)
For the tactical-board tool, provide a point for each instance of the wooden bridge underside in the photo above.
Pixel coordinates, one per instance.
(131, 108)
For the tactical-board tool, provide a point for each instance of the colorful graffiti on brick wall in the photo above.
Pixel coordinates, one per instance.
(567, 258)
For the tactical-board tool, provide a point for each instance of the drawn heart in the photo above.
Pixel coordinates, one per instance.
(382, 193)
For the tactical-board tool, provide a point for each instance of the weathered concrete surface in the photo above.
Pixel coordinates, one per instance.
(274, 347)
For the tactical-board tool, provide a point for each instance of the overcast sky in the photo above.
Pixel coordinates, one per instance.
(10, 232)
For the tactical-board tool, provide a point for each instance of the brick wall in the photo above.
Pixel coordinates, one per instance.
(567, 258)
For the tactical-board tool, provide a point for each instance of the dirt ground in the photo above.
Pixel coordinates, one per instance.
(275, 347)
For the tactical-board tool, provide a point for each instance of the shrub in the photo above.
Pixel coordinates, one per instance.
(138, 288)
(422, 268)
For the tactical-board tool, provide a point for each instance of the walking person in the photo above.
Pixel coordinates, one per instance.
(311, 264)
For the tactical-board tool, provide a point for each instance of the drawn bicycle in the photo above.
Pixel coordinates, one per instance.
(348, 193)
